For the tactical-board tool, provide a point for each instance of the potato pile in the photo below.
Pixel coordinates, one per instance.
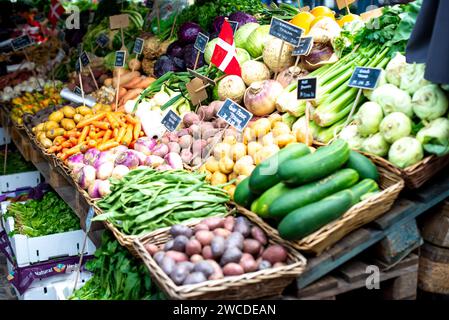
(216, 248)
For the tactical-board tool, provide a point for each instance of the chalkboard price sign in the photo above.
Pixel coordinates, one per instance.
(307, 89)
(285, 31)
(365, 78)
(77, 66)
(201, 42)
(102, 40)
(234, 25)
(304, 47)
(234, 115)
(84, 59)
(138, 46)
(120, 57)
(171, 121)
(21, 42)
(77, 91)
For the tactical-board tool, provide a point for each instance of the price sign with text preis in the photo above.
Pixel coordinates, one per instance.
(365, 78)
(84, 59)
(234, 115)
(285, 31)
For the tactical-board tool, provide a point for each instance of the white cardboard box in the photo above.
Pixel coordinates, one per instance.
(11, 182)
(39, 249)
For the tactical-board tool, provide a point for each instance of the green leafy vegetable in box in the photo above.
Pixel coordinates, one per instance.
(15, 163)
(36, 218)
(117, 275)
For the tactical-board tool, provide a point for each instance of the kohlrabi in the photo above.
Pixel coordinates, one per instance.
(392, 99)
(351, 136)
(405, 152)
(435, 137)
(395, 126)
(376, 145)
(368, 118)
(430, 102)
(395, 68)
(412, 78)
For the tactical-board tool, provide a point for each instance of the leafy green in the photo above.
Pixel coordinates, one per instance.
(117, 276)
(15, 163)
(36, 218)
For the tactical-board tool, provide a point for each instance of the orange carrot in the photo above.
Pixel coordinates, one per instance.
(137, 128)
(107, 145)
(101, 125)
(67, 144)
(107, 136)
(115, 133)
(131, 94)
(128, 135)
(75, 149)
(145, 83)
(114, 123)
(131, 119)
(92, 143)
(120, 135)
(74, 140)
(58, 140)
(54, 149)
(100, 135)
(92, 134)
(84, 134)
(72, 133)
(89, 121)
(132, 84)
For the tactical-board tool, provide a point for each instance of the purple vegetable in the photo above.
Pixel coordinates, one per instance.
(175, 49)
(119, 172)
(218, 22)
(154, 161)
(185, 141)
(188, 32)
(118, 149)
(86, 176)
(104, 170)
(190, 54)
(160, 150)
(104, 156)
(186, 156)
(174, 161)
(172, 137)
(91, 156)
(127, 158)
(242, 18)
(93, 189)
(145, 145)
(179, 64)
(183, 132)
(174, 147)
(141, 156)
(76, 161)
(163, 65)
(104, 188)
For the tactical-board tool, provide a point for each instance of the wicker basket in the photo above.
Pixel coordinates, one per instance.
(264, 283)
(359, 215)
(416, 175)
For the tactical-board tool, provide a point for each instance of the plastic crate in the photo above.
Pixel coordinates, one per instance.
(5, 138)
(11, 182)
(39, 249)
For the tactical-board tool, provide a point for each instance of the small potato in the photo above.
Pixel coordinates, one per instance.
(232, 269)
(194, 278)
(226, 165)
(229, 223)
(275, 253)
(230, 189)
(205, 267)
(218, 272)
(177, 256)
(231, 140)
(158, 256)
(231, 254)
(247, 170)
(193, 246)
(200, 226)
(196, 258)
(274, 117)
(284, 139)
(248, 263)
(179, 273)
(261, 127)
(243, 226)
(235, 239)
(179, 229)
(212, 164)
(248, 136)
(77, 117)
(151, 248)
(179, 243)
(222, 232)
(218, 178)
(253, 147)
(204, 237)
(242, 163)
(207, 253)
(218, 246)
(259, 235)
(222, 150)
(251, 246)
(168, 264)
(268, 139)
(214, 222)
(238, 151)
(233, 175)
(169, 245)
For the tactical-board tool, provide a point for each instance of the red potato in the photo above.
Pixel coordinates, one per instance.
(259, 235)
(229, 223)
(232, 269)
(200, 226)
(196, 258)
(248, 263)
(193, 246)
(151, 248)
(251, 246)
(204, 237)
(218, 272)
(177, 256)
(222, 232)
(275, 253)
(214, 222)
(207, 253)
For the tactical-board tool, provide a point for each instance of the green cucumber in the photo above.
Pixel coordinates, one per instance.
(315, 166)
(363, 187)
(298, 197)
(264, 176)
(363, 165)
(267, 198)
(306, 220)
(243, 195)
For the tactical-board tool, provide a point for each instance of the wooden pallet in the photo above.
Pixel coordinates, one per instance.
(398, 283)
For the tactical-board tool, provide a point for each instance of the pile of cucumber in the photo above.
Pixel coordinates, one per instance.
(304, 191)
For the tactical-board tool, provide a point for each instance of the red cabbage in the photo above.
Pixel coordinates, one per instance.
(218, 22)
(242, 18)
(188, 32)
(163, 65)
(190, 57)
(175, 49)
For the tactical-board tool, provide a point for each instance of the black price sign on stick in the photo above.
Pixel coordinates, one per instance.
(307, 89)
(234, 114)
(77, 91)
(84, 59)
(171, 121)
(201, 42)
(120, 58)
(285, 31)
(22, 42)
(234, 25)
(138, 46)
(102, 40)
(77, 66)
(304, 47)
(365, 78)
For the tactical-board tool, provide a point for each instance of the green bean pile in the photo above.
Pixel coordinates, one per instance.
(146, 200)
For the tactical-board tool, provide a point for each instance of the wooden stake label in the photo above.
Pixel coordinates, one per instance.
(192, 88)
(234, 114)
(307, 89)
(118, 21)
(120, 59)
(171, 121)
(304, 47)
(138, 46)
(102, 40)
(77, 91)
(201, 42)
(84, 59)
(344, 3)
(365, 78)
(285, 31)
(371, 14)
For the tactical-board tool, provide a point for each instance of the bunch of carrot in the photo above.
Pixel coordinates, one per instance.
(104, 130)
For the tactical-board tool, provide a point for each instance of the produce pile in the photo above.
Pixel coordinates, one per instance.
(36, 218)
(216, 248)
(304, 191)
(117, 275)
(405, 118)
(15, 163)
(145, 200)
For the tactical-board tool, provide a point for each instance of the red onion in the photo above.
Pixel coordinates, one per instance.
(141, 156)
(260, 97)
